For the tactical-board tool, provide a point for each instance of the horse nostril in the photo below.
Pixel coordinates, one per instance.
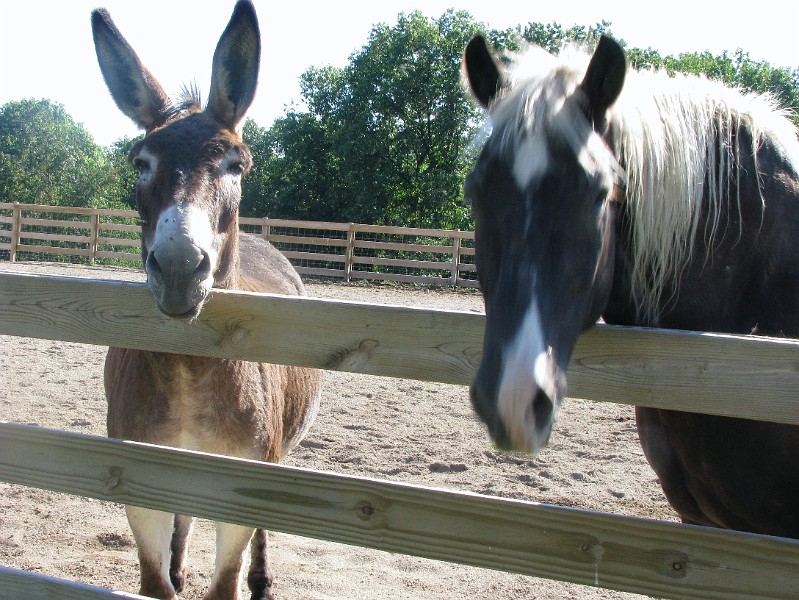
(487, 411)
(543, 410)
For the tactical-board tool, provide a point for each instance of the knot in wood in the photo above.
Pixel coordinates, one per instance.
(365, 510)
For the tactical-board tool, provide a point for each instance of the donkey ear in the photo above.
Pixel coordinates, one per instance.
(136, 92)
(604, 78)
(234, 76)
(482, 71)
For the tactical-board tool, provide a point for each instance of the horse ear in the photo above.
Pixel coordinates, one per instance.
(136, 92)
(481, 71)
(604, 78)
(234, 76)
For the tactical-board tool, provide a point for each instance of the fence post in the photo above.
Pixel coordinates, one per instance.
(350, 252)
(456, 257)
(94, 235)
(266, 229)
(16, 226)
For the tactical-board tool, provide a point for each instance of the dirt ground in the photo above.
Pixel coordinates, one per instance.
(368, 426)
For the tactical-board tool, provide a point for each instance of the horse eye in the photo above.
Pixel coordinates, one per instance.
(236, 168)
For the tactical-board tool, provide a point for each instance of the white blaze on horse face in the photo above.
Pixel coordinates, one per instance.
(527, 367)
(531, 159)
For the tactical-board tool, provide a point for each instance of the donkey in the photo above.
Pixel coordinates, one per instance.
(190, 164)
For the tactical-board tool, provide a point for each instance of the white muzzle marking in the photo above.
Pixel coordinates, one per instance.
(183, 233)
(527, 367)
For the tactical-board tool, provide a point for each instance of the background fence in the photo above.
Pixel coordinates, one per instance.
(685, 371)
(348, 251)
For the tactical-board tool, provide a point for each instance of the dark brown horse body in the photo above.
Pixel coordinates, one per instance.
(647, 201)
(190, 165)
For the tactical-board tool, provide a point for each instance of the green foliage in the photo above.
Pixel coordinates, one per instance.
(294, 170)
(404, 121)
(120, 191)
(45, 157)
(385, 139)
(552, 37)
(736, 71)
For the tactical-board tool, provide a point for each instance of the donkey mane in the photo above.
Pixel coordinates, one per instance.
(188, 101)
(190, 98)
(675, 137)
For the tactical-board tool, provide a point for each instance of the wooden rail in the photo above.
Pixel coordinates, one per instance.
(16, 584)
(666, 369)
(590, 548)
(349, 251)
(695, 372)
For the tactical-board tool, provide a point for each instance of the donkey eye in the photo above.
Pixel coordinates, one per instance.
(141, 165)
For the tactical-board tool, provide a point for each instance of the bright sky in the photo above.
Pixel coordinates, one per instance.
(46, 48)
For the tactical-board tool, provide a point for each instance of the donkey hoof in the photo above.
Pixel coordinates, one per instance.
(260, 585)
(178, 579)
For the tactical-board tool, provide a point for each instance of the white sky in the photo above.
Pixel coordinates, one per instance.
(46, 48)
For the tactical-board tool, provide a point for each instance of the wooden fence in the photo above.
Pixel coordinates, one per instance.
(687, 371)
(349, 251)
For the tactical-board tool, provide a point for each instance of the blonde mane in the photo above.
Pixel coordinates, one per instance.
(678, 140)
(675, 137)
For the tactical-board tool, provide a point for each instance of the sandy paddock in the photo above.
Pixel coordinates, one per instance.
(402, 430)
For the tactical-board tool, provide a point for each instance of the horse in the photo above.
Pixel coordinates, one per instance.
(646, 200)
(190, 163)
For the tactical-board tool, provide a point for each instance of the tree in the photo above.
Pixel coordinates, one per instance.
(736, 71)
(294, 172)
(387, 139)
(553, 37)
(119, 190)
(384, 139)
(46, 158)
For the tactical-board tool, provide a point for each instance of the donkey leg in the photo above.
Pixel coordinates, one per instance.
(260, 577)
(180, 549)
(231, 542)
(152, 531)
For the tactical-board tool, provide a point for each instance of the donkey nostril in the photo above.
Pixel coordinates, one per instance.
(204, 268)
(152, 266)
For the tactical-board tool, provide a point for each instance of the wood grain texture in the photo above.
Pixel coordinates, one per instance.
(739, 376)
(623, 553)
(15, 584)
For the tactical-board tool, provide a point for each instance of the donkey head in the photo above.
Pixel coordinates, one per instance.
(190, 162)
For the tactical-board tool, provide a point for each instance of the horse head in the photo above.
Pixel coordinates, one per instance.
(541, 192)
(189, 163)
